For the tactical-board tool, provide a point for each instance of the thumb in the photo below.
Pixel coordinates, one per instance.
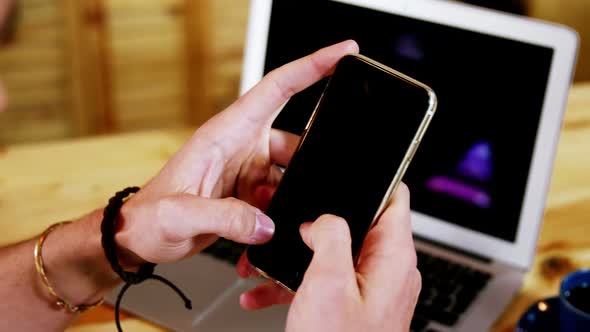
(236, 220)
(329, 238)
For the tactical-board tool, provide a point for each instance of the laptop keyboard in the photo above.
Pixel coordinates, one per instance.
(447, 291)
(447, 288)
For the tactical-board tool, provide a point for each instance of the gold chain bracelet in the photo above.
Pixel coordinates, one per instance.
(59, 301)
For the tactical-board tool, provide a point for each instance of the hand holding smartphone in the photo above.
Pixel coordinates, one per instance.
(351, 157)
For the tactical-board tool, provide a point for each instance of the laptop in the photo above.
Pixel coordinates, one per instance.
(478, 181)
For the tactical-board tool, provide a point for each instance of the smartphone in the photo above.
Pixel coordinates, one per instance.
(352, 155)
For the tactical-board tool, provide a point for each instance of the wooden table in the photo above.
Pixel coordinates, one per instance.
(44, 183)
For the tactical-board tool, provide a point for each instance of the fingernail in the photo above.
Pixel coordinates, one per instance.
(304, 227)
(303, 230)
(265, 227)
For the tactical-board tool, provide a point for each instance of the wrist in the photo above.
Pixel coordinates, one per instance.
(128, 259)
(74, 261)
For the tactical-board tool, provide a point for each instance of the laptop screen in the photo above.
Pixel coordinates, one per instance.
(472, 166)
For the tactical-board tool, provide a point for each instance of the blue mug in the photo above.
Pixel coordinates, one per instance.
(574, 302)
(567, 312)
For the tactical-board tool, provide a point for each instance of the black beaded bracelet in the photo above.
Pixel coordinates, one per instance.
(145, 271)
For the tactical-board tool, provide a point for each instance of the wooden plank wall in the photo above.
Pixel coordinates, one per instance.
(148, 63)
(575, 14)
(33, 71)
(99, 66)
(229, 19)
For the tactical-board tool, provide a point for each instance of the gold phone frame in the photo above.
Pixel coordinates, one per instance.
(432, 105)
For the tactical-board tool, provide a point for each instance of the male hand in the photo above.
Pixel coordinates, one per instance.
(379, 295)
(224, 176)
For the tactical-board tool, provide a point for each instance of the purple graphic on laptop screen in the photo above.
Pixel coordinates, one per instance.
(475, 167)
(477, 164)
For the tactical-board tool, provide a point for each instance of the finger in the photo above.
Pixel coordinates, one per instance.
(282, 146)
(390, 244)
(261, 103)
(332, 265)
(185, 216)
(275, 174)
(304, 230)
(263, 195)
(265, 295)
(395, 220)
(244, 268)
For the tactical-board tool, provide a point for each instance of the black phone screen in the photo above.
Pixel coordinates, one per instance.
(362, 129)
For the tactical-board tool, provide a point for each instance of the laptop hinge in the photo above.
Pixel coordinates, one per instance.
(462, 252)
